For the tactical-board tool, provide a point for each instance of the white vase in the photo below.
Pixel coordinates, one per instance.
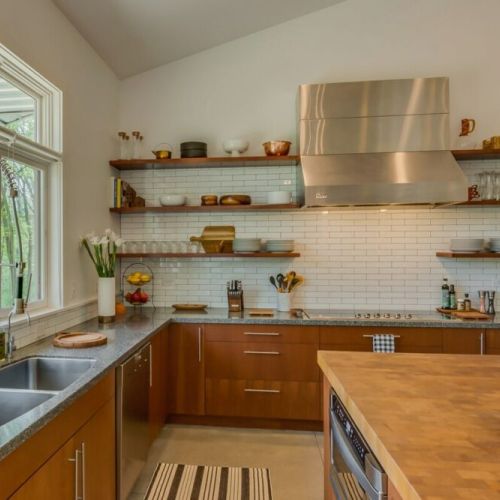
(284, 302)
(106, 300)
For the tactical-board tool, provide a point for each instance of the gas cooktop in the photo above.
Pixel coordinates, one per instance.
(379, 315)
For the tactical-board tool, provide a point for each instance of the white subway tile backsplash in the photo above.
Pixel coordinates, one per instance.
(351, 258)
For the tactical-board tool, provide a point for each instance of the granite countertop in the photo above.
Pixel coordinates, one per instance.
(432, 420)
(133, 329)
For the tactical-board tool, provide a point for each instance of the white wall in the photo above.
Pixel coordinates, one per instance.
(38, 32)
(247, 88)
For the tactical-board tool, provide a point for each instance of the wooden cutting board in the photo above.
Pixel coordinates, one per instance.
(77, 340)
(472, 314)
(261, 312)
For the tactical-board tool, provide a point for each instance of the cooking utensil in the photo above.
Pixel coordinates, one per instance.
(273, 282)
(235, 199)
(193, 149)
(162, 151)
(209, 199)
(277, 148)
(246, 245)
(279, 197)
(216, 239)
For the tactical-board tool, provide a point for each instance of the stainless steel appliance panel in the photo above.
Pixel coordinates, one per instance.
(413, 96)
(133, 382)
(384, 134)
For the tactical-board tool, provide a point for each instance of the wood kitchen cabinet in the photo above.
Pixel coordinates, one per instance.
(262, 371)
(158, 389)
(354, 338)
(492, 343)
(186, 369)
(463, 341)
(79, 465)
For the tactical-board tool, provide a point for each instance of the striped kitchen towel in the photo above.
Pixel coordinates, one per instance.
(203, 482)
(384, 343)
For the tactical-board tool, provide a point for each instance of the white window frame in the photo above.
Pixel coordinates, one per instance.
(44, 153)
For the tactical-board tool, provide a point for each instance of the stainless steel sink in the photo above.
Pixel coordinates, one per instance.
(43, 374)
(15, 403)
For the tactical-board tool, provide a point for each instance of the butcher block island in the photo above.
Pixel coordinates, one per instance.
(431, 421)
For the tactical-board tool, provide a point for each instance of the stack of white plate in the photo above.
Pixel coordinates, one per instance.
(246, 245)
(495, 244)
(280, 245)
(466, 245)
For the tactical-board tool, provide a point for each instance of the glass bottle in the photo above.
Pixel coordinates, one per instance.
(453, 297)
(467, 303)
(445, 294)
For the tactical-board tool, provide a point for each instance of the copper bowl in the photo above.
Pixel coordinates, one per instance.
(277, 148)
(162, 154)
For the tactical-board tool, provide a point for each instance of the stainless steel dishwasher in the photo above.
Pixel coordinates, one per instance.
(133, 380)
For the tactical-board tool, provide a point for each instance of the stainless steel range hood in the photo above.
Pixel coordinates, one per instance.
(378, 143)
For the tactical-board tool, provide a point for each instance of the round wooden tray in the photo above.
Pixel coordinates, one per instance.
(189, 307)
(77, 340)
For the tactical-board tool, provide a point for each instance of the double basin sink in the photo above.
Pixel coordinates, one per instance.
(27, 383)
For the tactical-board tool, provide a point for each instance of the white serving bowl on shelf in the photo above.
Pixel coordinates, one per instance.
(279, 197)
(466, 244)
(235, 147)
(246, 245)
(172, 200)
(280, 245)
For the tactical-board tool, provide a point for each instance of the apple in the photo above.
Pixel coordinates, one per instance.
(144, 297)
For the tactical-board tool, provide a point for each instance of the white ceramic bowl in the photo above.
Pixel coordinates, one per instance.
(246, 245)
(279, 197)
(466, 244)
(280, 245)
(172, 200)
(235, 146)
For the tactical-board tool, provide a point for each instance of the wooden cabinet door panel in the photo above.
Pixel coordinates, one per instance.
(492, 341)
(56, 479)
(408, 339)
(268, 333)
(462, 341)
(186, 370)
(235, 360)
(158, 389)
(263, 399)
(98, 453)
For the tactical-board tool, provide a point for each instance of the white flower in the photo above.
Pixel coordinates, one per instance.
(119, 242)
(94, 240)
(90, 236)
(107, 232)
(104, 240)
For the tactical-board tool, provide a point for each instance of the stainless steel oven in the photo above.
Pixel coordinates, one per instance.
(355, 473)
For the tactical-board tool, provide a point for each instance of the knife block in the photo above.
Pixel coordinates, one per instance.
(235, 300)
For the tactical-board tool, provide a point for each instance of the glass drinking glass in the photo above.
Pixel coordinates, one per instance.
(132, 246)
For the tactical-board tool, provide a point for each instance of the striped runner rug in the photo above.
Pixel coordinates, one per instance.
(203, 482)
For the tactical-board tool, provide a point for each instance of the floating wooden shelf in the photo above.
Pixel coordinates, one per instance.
(198, 208)
(478, 203)
(223, 161)
(476, 154)
(468, 255)
(249, 255)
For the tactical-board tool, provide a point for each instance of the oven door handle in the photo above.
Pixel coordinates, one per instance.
(348, 455)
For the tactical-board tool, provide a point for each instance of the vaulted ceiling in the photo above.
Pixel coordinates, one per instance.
(133, 36)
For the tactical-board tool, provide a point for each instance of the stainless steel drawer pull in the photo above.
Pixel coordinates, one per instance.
(272, 353)
(263, 334)
(371, 336)
(271, 391)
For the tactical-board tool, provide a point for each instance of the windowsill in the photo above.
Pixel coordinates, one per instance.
(44, 312)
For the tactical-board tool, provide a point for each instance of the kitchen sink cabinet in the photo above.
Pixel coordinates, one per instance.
(186, 369)
(158, 389)
(354, 338)
(73, 456)
(463, 341)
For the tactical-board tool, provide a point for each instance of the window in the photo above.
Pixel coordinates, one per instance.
(30, 144)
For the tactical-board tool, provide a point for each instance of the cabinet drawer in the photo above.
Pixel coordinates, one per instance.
(355, 338)
(262, 333)
(263, 399)
(259, 361)
(463, 341)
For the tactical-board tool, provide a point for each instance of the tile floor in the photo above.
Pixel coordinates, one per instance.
(294, 458)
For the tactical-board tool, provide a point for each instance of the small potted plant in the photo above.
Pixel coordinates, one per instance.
(102, 251)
